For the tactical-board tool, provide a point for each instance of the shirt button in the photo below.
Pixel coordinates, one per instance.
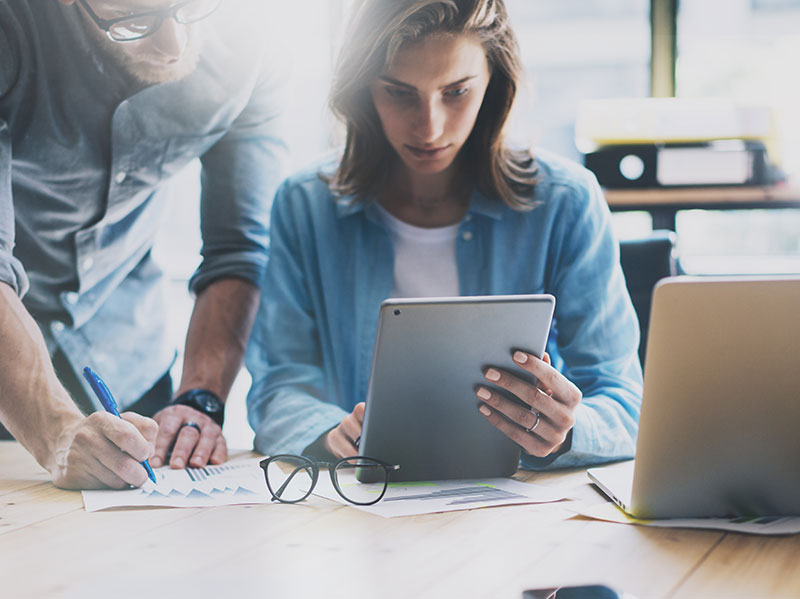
(87, 263)
(466, 235)
(71, 297)
(120, 177)
(58, 326)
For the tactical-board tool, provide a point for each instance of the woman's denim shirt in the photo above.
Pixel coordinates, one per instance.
(331, 265)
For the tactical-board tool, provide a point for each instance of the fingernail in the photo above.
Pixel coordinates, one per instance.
(492, 374)
(520, 357)
(155, 462)
(178, 463)
(483, 393)
(484, 410)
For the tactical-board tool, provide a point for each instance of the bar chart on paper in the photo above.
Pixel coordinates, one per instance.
(428, 497)
(480, 494)
(229, 484)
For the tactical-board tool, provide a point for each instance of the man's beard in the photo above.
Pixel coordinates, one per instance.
(138, 67)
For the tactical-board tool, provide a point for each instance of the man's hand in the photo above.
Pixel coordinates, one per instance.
(102, 450)
(218, 332)
(190, 446)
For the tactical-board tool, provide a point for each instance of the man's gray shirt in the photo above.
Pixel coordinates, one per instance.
(84, 153)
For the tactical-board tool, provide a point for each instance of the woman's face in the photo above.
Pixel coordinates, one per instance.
(429, 97)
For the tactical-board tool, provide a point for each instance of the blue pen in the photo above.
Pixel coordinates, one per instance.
(104, 395)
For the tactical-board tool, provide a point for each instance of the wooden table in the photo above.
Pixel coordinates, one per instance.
(664, 204)
(50, 547)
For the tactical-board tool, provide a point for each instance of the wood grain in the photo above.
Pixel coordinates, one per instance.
(50, 547)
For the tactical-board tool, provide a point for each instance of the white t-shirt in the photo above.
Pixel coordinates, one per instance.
(424, 259)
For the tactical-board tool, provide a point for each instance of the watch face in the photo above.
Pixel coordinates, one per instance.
(208, 403)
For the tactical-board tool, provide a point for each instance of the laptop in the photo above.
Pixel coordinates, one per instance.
(429, 357)
(719, 433)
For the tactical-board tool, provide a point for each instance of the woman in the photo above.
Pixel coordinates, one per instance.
(427, 200)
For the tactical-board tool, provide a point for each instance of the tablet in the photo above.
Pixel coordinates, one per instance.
(429, 358)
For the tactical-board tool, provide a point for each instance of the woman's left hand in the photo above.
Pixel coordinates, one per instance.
(541, 428)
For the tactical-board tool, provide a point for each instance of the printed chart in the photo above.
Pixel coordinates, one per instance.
(411, 499)
(229, 484)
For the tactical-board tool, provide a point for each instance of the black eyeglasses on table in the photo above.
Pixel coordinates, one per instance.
(135, 26)
(359, 480)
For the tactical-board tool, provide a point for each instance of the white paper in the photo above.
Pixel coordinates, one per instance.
(757, 525)
(411, 499)
(228, 484)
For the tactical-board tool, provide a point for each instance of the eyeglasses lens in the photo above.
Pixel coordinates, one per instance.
(141, 26)
(133, 28)
(290, 478)
(361, 480)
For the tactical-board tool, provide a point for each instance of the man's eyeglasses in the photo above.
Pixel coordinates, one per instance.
(135, 26)
(359, 480)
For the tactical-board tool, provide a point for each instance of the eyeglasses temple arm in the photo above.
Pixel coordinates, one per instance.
(282, 488)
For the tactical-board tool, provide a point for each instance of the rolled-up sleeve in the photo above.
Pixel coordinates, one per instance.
(11, 270)
(239, 177)
(597, 332)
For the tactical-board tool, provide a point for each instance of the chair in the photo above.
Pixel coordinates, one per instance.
(644, 262)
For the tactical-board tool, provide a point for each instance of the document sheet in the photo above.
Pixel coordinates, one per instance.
(227, 484)
(757, 525)
(411, 499)
(242, 482)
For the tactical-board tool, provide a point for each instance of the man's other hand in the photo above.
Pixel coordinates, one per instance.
(195, 439)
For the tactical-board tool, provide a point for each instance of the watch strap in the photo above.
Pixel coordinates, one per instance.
(204, 401)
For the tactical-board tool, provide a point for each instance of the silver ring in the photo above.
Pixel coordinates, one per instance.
(532, 428)
(194, 425)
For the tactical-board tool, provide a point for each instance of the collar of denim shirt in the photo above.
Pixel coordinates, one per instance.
(479, 204)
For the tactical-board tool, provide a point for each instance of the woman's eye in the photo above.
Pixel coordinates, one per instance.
(398, 92)
(457, 92)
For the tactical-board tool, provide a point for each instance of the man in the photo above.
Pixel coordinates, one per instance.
(101, 102)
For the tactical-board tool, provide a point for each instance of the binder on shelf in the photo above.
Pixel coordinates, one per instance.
(713, 163)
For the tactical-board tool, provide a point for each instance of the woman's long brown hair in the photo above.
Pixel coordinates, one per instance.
(379, 29)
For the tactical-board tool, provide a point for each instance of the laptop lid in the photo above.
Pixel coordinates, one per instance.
(718, 433)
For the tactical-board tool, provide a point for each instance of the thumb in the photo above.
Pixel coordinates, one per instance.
(358, 411)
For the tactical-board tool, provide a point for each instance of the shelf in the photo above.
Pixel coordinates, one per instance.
(694, 196)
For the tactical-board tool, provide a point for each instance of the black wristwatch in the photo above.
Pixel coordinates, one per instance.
(203, 401)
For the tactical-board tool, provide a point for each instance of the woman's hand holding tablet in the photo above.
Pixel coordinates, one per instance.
(543, 427)
(341, 440)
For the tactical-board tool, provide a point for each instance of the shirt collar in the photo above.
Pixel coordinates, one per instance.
(479, 204)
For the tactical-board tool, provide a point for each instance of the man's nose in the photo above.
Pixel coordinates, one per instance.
(170, 39)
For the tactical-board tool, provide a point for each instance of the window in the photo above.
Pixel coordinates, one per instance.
(573, 50)
(745, 50)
